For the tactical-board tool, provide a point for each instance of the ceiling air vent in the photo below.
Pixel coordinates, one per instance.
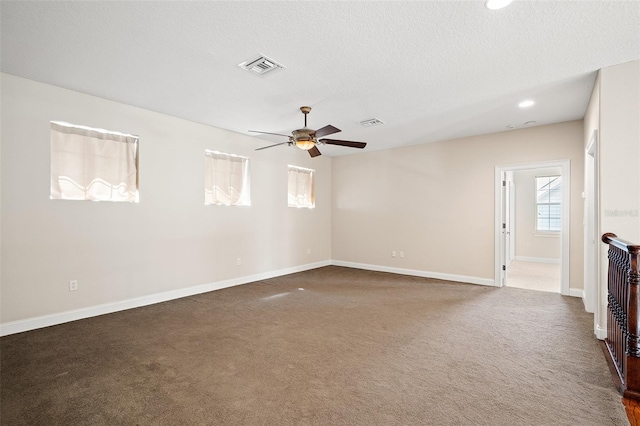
(371, 122)
(260, 65)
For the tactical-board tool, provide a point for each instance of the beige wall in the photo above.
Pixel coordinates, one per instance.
(530, 244)
(614, 110)
(620, 150)
(170, 240)
(591, 120)
(435, 201)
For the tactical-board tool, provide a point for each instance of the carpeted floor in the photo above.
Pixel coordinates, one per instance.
(331, 346)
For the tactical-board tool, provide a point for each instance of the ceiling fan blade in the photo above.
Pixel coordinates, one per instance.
(271, 146)
(269, 133)
(344, 143)
(327, 130)
(314, 152)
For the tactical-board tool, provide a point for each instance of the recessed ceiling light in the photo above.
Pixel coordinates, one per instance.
(529, 123)
(496, 4)
(526, 104)
(510, 126)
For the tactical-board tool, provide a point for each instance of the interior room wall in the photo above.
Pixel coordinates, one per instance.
(591, 120)
(614, 110)
(435, 201)
(532, 246)
(620, 150)
(170, 241)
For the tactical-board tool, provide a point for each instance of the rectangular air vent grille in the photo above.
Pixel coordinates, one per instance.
(371, 122)
(260, 65)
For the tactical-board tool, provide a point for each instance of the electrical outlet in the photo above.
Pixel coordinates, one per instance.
(73, 285)
(308, 251)
(401, 254)
(238, 261)
(393, 253)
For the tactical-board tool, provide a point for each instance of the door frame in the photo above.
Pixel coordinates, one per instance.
(565, 166)
(512, 220)
(594, 293)
(507, 213)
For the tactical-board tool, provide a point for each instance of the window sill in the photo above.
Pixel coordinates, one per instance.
(548, 234)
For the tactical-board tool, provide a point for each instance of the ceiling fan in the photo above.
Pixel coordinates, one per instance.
(307, 139)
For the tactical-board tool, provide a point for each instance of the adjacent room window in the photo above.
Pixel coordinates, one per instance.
(548, 203)
(301, 187)
(93, 164)
(226, 179)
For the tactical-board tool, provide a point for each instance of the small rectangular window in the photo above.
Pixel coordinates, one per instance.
(226, 179)
(93, 164)
(548, 204)
(301, 187)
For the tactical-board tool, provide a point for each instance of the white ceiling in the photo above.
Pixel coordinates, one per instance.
(431, 70)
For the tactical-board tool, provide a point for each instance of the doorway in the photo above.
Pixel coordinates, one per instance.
(532, 247)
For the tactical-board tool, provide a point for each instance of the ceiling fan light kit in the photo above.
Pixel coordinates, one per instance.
(305, 144)
(307, 139)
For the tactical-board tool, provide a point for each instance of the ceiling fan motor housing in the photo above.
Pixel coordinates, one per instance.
(304, 138)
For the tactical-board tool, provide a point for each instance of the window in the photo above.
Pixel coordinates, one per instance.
(548, 203)
(301, 187)
(226, 179)
(93, 164)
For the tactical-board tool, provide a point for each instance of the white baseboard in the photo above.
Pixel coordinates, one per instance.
(416, 273)
(576, 292)
(537, 259)
(600, 333)
(107, 308)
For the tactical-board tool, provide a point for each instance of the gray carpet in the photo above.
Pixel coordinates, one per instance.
(352, 348)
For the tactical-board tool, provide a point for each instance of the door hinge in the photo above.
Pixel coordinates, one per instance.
(504, 267)
(504, 226)
(504, 183)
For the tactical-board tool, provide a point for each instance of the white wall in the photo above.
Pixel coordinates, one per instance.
(529, 244)
(620, 150)
(614, 111)
(435, 201)
(170, 240)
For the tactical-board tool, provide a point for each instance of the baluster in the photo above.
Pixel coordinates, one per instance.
(633, 319)
(623, 313)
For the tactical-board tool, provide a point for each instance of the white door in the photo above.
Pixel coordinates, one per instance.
(505, 218)
(511, 225)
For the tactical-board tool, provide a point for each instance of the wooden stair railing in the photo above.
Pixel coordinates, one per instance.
(623, 320)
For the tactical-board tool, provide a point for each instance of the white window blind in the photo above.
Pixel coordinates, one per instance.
(93, 164)
(226, 179)
(548, 203)
(301, 187)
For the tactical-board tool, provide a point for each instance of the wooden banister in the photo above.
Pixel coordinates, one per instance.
(623, 314)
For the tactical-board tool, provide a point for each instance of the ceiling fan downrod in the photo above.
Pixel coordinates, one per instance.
(305, 110)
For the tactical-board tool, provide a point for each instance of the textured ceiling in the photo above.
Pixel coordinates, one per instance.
(431, 70)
